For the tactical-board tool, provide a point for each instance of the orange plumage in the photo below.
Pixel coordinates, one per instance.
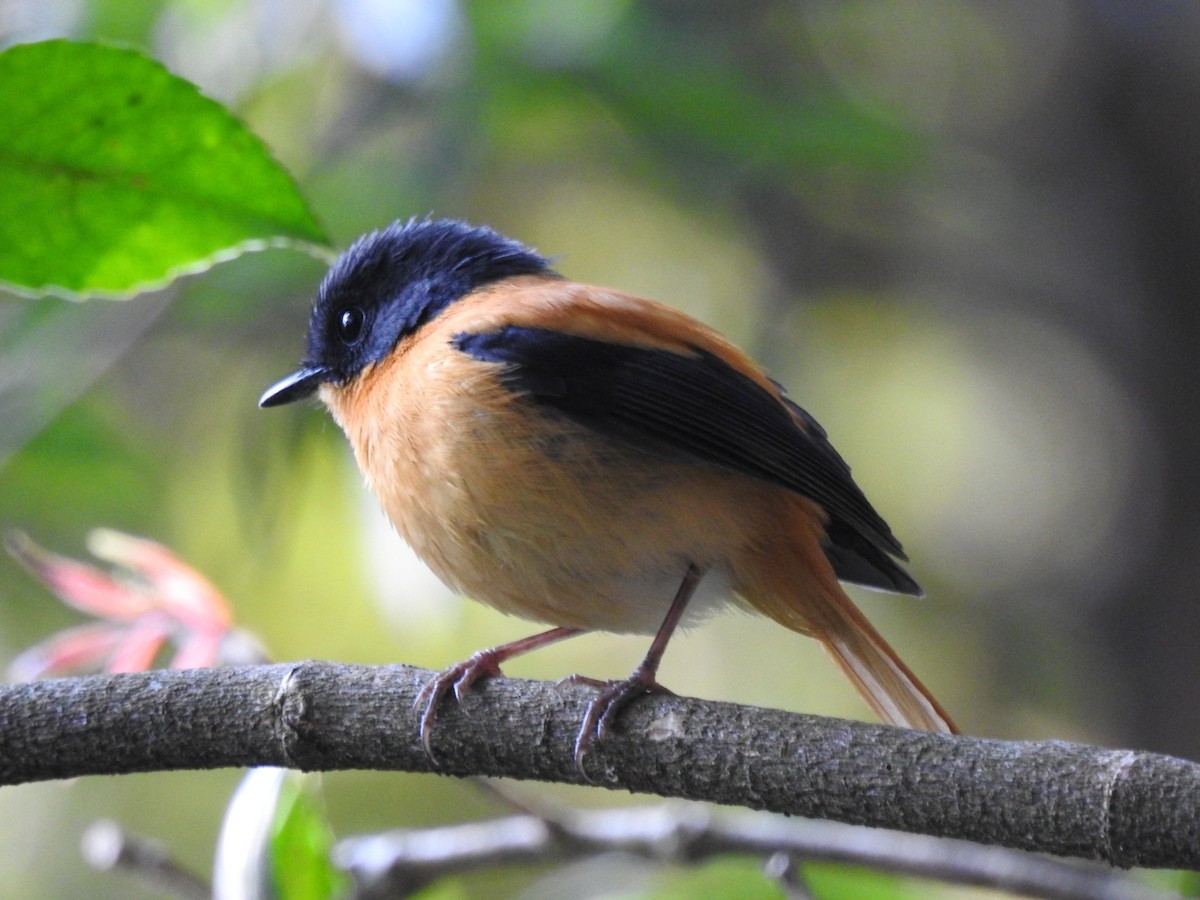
(580, 457)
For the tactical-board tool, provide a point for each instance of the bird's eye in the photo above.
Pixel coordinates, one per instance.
(350, 324)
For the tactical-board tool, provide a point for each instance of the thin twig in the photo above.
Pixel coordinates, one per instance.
(782, 868)
(107, 846)
(400, 862)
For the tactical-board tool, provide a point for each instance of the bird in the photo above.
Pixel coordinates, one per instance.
(590, 460)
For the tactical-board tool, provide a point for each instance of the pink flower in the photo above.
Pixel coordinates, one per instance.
(149, 600)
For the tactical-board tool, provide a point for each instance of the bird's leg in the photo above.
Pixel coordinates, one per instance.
(485, 663)
(616, 695)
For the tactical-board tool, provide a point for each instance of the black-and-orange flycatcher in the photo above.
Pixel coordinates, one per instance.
(591, 460)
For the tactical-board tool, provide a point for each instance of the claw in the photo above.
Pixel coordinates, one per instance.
(458, 677)
(604, 708)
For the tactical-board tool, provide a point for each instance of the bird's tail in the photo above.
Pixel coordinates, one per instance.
(786, 575)
(879, 675)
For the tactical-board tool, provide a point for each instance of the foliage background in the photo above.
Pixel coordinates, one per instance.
(963, 234)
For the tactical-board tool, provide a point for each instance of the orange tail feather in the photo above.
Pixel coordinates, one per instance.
(786, 575)
(879, 675)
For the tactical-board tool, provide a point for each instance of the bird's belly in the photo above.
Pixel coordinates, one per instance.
(578, 530)
(551, 588)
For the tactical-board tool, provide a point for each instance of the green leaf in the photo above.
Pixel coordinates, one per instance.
(116, 176)
(837, 880)
(301, 844)
(723, 877)
(275, 841)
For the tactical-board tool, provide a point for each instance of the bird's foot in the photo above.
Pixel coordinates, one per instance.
(604, 708)
(459, 677)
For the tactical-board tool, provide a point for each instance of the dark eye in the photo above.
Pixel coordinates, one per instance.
(350, 324)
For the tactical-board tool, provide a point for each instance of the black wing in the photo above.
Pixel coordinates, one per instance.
(699, 406)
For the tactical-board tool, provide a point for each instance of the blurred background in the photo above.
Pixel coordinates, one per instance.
(963, 234)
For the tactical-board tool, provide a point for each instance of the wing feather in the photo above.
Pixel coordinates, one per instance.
(696, 404)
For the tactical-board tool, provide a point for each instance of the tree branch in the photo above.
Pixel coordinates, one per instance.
(1124, 807)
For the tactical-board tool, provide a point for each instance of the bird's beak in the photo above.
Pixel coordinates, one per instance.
(296, 386)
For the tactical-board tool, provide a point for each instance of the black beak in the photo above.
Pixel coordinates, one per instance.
(296, 386)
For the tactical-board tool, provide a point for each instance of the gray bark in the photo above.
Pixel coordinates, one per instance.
(1123, 807)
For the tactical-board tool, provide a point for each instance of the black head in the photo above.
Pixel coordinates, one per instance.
(390, 283)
